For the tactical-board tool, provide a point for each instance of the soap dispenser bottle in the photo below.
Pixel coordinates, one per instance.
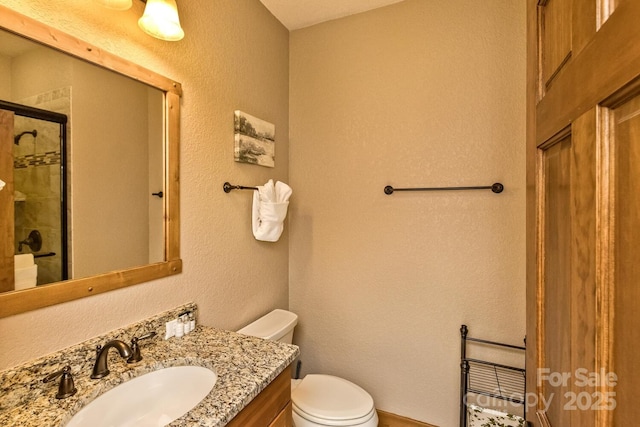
(179, 328)
(192, 321)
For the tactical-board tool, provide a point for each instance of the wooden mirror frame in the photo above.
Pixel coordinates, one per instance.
(16, 302)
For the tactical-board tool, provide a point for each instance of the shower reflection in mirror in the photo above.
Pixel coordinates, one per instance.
(40, 215)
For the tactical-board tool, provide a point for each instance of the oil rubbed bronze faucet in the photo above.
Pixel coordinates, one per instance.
(135, 347)
(100, 369)
(66, 387)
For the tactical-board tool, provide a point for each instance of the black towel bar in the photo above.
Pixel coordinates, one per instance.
(48, 254)
(229, 187)
(496, 188)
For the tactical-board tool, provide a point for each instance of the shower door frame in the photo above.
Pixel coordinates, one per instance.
(62, 120)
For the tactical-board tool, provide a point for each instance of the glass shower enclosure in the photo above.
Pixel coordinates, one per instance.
(40, 182)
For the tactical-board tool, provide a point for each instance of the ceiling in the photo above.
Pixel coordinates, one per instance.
(295, 14)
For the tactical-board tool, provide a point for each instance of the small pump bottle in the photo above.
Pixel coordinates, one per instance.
(192, 321)
(186, 323)
(179, 328)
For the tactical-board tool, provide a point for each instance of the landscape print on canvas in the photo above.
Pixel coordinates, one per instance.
(255, 140)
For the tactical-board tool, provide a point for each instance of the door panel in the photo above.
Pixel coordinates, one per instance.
(585, 21)
(556, 313)
(608, 62)
(567, 306)
(556, 36)
(626, 339)
(583, 211)
(6, 202)
(583, 177)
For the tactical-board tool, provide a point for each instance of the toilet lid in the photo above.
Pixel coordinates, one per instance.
(330, 398)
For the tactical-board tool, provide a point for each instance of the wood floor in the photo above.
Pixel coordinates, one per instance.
(391, 420)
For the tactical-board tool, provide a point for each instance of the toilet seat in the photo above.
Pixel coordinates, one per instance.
(332, 401)
(301, 419)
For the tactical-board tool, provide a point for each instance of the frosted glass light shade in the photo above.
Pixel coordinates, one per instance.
(116, 4)
(160, 20)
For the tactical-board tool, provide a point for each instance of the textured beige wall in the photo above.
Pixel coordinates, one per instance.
(5, 81)
(27, 78)
(109, 172)
(420, 93)
(234, 56)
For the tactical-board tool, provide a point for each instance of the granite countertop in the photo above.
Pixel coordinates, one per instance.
(244, 366)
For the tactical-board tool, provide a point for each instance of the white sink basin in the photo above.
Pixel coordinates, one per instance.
(154, 399)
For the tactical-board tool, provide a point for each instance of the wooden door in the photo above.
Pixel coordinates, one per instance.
(6, 202)
(583, 212)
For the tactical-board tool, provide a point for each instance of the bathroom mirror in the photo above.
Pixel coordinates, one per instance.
(120, 124)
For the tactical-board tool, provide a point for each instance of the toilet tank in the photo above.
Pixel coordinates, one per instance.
(277, 325)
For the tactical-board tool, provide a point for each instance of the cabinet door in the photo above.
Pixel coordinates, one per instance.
(269, 405)
(583, 212)
(285, 418)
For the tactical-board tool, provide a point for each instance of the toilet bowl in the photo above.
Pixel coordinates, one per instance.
(325, 400)
(317, 400)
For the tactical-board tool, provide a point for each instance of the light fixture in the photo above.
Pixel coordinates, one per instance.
(116, 4)
(160, 20)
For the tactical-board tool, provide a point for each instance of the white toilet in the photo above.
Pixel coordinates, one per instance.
(318, 400)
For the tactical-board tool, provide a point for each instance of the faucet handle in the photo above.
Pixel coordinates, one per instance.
(135, 347)
(147, 335)
(66, 387)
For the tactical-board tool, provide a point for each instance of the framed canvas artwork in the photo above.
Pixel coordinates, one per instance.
(254, 140)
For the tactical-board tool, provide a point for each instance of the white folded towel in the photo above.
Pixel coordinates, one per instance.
(26, 277)
(19, 196)
(270, 204)
(23, 261)
(2, 184)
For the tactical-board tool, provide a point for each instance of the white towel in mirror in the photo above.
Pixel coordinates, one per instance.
(270, 204)
(23, 261)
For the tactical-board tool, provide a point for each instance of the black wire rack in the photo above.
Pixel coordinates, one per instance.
(486, 378)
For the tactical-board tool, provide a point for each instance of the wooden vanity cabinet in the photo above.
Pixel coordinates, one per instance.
(271, 408)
